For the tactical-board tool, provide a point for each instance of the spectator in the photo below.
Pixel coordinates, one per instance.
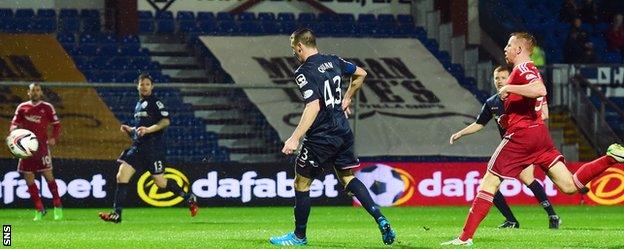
(573, 48)
(569, 11)
(589, 55)
(615, 34)
(589, 12)
(582, 34)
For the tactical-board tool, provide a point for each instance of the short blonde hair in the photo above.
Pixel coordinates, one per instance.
(528, 38)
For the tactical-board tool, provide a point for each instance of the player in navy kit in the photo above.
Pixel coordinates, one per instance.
(328, 141)
(493, 108)
(147, 152)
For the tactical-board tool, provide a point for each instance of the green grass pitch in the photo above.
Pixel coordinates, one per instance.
(329, 227)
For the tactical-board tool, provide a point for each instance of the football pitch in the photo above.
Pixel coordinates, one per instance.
(329, 227)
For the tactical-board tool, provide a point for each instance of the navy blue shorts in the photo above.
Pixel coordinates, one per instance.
(144, 158)
(316, 157)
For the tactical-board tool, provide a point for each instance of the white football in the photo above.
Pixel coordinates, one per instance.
(22, 143)
(383, 182)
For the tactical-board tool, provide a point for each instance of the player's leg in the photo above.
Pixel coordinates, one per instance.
(302, 208)
(589, 171)
(501, 204)
(356, 188)
(124, 174)
(174, 187)
(528, 178)
(56, 199)
(33, 190)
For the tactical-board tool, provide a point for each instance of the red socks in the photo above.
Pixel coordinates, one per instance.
(480, 208)
(56, 199)
(34, 196)
(591, 170)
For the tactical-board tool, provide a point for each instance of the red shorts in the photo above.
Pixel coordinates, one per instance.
(39, 162)
(522, 148)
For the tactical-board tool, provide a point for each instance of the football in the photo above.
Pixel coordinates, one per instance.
(22, 143)
(383, 182)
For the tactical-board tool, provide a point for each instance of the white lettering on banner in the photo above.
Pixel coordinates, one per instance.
(437, 186)
(77, 188)
(212, 186)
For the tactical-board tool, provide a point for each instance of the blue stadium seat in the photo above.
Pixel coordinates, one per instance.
(344, 17)
(6, 13)
(24, 13)
(89, 14)
(66, 38)
(405, 18)
(145, 15)
(366, 18)
(385, 18)
(21, 25)
(224, 16)
(87, 38)
(306, 17)
(46, 13)
(327, 17)
(91, 25)
(269, 27)
(165, 26)
(146, 26)
(87, 49)
(68, 13)
(285, 17)
(69, 24)
(246, 16)
(207, 27)
(187, 26)
(227, 28)
(287, 27)
(47, 25)
(164, 15)
(185, 15)
(266, 16)
(107, 50)
(205, 16)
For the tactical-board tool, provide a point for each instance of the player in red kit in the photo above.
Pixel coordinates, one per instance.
(527, 140)
(37, 115)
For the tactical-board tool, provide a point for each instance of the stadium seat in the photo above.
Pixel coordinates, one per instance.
(164, 15)
(89, 14)
(266, 16)
(146, 26)
(366, 18)
(306, 17)
(205, 16)
(24, 13)
(385, 18)
(250, 28)
(187, 26)
(6, 13)
(224, 16)
(207, 27)
(246, 16)
(227, 28)
(344, 17)
(286, 17)
(69, 24)
(46, 13)
(405, 19)
(165, 26)
(91, 25)
(327, 17)
(185, 15)
(21, 25)
(68, 13)
(47, 25)
(143, 15)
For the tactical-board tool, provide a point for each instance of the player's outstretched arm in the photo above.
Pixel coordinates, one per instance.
(162, 124)
(472, 128)
(545, 110)
(534, 90)
(357, 80)
(307, 118)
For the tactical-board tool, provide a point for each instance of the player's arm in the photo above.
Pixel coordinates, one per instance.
(17, 120)
(357, 80)
(56, 127)
(545, 110)
(310, 112)
(162, 124)
(484, 117)
(535, 89)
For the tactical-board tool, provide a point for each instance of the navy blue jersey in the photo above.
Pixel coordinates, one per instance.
(493, 108)
(320, 77)
(147, 112)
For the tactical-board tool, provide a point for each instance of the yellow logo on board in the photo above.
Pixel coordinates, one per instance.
(151, 194)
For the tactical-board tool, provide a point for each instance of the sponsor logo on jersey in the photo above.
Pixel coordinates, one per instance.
(323, 67)
(33, 118)
(301, 80)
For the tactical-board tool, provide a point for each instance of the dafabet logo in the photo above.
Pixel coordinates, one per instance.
(151, 194)
(609, 188)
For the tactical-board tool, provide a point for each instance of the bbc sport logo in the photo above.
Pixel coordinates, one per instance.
(6, 235)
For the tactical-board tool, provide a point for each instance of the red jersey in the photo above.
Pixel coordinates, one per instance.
(36, 118)
(522, 112)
